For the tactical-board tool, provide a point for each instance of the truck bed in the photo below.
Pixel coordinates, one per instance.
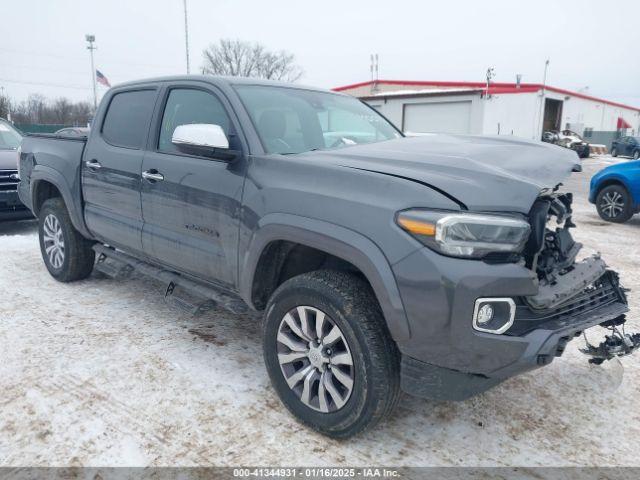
(57, 158)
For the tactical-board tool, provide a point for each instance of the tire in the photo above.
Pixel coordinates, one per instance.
(636, 155)
(585, 152)
(614, 204)
(348, 304)
(614, 152)
(70, 256)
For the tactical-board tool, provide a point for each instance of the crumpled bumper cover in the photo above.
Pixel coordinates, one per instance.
(451, 361)
(570, 284)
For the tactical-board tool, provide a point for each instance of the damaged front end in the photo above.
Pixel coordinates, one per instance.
(572, 295)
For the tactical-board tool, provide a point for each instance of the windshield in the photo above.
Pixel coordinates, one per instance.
(292, 120)
(9, 137)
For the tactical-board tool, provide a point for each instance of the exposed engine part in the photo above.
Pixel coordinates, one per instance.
(618, 344)
(551, 252)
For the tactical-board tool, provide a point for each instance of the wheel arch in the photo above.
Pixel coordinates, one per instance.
(609, 181)
(48, 183)
(279, 235)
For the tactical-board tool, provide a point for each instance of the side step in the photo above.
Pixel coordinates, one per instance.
(119, 265)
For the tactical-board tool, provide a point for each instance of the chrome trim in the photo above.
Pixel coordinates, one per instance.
(93, 164)
(506, 326)
(479, 219)
(154, 177)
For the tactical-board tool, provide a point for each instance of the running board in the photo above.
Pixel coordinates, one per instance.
(120, 265)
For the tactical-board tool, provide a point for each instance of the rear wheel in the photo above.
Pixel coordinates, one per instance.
(614, 152)
(329, 354)
(67, 255)
(614, 204)
(636, 155)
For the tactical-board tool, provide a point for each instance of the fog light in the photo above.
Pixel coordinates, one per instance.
(485, 314)
(494, 315)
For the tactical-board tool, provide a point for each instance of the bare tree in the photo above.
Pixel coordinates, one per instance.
(62, 109)
(237, 58)
(38, 110)
(82, 113)
(5, 106)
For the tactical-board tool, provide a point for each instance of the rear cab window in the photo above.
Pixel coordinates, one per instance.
(126, 122)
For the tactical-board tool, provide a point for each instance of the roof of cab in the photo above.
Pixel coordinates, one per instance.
(221, 80)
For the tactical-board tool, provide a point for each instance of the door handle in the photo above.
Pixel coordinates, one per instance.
(93, 164)
(152, 176)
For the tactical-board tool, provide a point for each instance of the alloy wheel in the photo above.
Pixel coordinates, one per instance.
(612, 204)
(53, 240)
(315, 359)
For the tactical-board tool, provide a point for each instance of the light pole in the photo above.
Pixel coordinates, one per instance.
(186, 34)
(544, 84)
(92, 38)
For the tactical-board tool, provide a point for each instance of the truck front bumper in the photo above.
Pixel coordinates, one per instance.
(446, 359)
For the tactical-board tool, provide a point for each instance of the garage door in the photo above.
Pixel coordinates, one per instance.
(446, 117)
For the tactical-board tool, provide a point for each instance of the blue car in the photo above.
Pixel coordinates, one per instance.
(615, 191)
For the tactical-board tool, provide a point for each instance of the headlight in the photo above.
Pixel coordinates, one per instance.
(465, 234)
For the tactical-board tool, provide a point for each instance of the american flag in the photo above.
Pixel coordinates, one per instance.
(100, 78)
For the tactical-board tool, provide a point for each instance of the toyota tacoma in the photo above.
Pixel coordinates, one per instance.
(439, 265)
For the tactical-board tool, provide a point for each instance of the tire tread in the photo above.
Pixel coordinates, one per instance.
(78, 249)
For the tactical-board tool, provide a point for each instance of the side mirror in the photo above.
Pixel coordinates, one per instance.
(204, 139)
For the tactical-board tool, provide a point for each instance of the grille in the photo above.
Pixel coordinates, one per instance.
(8, 184)
(604, 292)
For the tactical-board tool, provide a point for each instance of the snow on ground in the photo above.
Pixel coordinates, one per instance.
(105, 373)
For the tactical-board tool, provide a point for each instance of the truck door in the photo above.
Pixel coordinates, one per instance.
(112, 166)
(191, 204)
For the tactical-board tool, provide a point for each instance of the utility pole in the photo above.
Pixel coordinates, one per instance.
(374, 72)
(544, 85)
(92, 38)
(491, 73)
(186, 34)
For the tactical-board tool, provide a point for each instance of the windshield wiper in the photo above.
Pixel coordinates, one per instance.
(295, 153)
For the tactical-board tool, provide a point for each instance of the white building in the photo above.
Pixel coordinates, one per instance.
(524, 110)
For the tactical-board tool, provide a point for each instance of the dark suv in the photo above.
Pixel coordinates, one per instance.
(11, 208)
(627, 146)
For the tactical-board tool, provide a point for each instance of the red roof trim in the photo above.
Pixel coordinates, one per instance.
(495, 88)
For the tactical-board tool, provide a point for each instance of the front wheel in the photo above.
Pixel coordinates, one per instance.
(67, 255)
(614, 204)
(328, 353)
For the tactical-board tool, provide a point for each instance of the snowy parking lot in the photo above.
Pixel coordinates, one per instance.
(103, 372)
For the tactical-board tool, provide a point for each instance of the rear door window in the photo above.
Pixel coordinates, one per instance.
(127, 121)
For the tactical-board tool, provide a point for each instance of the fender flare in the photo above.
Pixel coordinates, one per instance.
(339, 241)
(48, 174)
(613, 177)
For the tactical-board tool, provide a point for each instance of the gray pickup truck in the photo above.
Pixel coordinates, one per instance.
(439, 265)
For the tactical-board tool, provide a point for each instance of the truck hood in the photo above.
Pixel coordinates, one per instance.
(481, 173)
(8, 159)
